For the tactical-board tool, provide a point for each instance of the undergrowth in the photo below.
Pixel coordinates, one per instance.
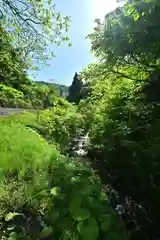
(45, 195)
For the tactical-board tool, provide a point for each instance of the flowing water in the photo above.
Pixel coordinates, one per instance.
(81, 145)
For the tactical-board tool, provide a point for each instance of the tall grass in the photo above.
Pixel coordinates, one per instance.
(21, 147)
(24, 118)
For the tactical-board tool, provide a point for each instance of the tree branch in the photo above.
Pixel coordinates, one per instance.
(16, 11)
(124, 75)
(1, 14)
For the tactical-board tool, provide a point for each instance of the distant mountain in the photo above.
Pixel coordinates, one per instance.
(61, 89)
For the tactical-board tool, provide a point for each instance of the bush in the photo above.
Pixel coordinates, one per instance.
(44, 195)
(61, 124)
(10, 97)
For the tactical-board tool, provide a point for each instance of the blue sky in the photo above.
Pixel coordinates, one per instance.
(74, 59)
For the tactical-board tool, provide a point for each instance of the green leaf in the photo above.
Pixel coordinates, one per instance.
(103, 196)
(47, 230)
(88, 230)
(75, 202)
(80, 214)
(136, 16)
(10, 228)
(12, 238)
(55, 191)
(13, 234)
(105, 226)
(11, 215)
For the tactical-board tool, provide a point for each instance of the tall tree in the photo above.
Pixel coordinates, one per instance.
(79, 89)
(33, 25)
(129, 37)
(12, 65)
(74, 92)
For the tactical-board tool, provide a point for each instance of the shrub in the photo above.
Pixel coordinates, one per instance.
(10, 97)
(61, 124)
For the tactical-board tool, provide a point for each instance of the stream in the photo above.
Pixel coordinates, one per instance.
(81, 145)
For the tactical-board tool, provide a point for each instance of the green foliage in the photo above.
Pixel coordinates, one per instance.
(17, 89)
(61, 90)
(123, 112)
(61, 124)
(129, 37)
(10, 97)
(19, 143)
(33, 25)
(31, 96)
(41, 96)
(123, 133)
(74, 93)
(24, 118)
(78, 90)
(44, 195)
(12, 64)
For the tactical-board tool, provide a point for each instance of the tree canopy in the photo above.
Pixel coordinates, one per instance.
(34, 25)
(129, 37)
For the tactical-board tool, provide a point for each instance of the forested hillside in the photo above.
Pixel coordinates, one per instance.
(113, 191)
(62, 90)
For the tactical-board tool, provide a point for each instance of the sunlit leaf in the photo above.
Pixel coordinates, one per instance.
(11, 215)
(55, 191)
(103, 196)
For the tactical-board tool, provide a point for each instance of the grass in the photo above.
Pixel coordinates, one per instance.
(20, 146)
(24, 118)
(52, 196)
